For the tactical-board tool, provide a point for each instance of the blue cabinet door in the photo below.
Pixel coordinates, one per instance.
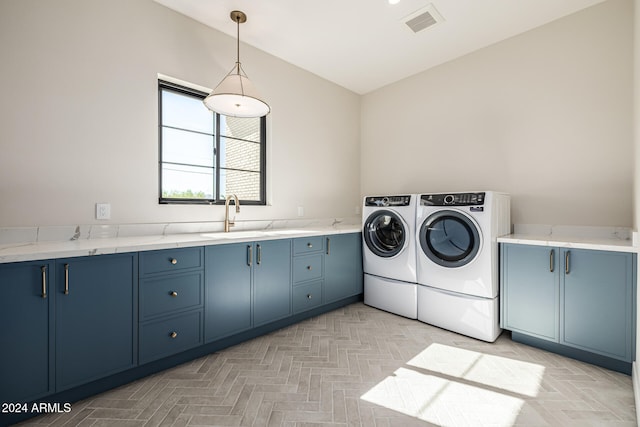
(272, 281)
(597, 301)
(342, 266)
(96, 310)
(26, 316)
(227, 289)
(530, 290)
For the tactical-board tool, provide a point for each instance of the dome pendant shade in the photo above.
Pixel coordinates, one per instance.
(235, 95)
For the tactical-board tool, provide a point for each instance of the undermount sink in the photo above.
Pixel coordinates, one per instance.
(250, 234)
(234, 234)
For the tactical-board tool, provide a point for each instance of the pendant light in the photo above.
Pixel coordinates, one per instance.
(235, 95)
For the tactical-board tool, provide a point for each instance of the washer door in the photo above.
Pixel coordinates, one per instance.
(450, 238)
(384, 233)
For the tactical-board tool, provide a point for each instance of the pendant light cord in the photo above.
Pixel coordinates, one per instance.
(238, 42)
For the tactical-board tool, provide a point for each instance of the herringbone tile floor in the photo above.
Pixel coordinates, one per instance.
(359, 366)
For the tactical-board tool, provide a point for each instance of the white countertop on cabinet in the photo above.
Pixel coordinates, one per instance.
(16, 252)
(594, 243)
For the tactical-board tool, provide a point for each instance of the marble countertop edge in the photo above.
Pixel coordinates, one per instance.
(604, 244)
(18, 252)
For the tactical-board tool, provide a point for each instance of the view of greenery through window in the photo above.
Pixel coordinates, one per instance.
(206, 156)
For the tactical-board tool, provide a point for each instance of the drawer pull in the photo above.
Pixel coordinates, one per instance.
(249, 255)
(309, 296)
(566, 262)
(309, 245)
(309, 267)
(259, 255)
(173, 294)
(551, 256)
(174, 261)
(173, 334)
(328, 246)
(43, 269)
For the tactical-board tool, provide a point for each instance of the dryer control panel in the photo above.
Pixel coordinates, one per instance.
(453, 199)
(387, 201)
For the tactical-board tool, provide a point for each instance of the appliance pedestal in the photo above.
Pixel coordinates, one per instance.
(467, 315)
(391, 295)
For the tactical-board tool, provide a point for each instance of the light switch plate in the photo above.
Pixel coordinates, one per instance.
(103, 211)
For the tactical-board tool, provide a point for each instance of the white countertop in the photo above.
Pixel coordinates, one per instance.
(15, 252)
(595, 243)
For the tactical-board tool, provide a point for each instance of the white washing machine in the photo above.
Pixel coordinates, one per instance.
(457, 260)
(389, 253)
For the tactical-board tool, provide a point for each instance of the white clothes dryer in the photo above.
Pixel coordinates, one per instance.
(389, 253)
(457, 260)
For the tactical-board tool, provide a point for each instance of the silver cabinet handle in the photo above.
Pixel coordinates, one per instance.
(249, 255)
(173, 294)
(309, 245)
(328, 245)
(309, 267)
(551, 256)
(309, 296)
(43, 269)
(173, 334)
(566, 262)
(259, 254)
(66, 279)
(173, 261)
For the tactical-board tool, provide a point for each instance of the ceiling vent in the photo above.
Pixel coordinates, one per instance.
(422, 19)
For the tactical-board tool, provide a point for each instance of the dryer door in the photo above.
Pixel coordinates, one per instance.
(384, 233)
(450, 238)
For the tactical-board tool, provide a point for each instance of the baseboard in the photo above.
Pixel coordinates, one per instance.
(575, 353)
(635, 378)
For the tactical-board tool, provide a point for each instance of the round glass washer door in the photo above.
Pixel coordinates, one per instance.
(450, 238)
(384, 233)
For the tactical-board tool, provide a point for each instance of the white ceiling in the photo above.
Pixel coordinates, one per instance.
(363, 45)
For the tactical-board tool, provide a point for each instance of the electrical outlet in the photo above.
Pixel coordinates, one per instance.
(103, 211)
(300, 211)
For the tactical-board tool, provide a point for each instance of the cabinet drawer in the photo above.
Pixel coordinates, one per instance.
(168, 260)
(307, 296)
(305, 245)
(164, 295)
(307, 268)
(170, 336)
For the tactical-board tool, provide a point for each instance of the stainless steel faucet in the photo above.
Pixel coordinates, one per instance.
(230, 222)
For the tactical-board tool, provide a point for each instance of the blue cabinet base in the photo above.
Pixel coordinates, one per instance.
(574, 353)
(117, 380)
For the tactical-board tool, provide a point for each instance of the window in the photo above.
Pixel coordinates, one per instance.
(204, 156)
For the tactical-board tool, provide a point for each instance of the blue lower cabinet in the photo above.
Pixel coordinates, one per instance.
(72, 324)
(96, 318)
(170, 335)
(246, 285)
(342, 266)
(530, 293)
(580, 301)
(228, 270)
(271, 281)
(26, 316)
(597, 302)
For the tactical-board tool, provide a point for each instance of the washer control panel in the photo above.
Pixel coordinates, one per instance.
(453, 199)
(387, 201)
